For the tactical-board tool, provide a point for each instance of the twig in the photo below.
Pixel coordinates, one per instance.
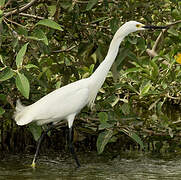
(173, 23)
(152, 52)
(13, 22)
(4, 20)
(2, 7)
(31, 15)
(64, 50)
(81, 2)
(21, 9)
(171, 97)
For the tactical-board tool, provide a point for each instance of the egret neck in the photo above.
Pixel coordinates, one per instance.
(98, 77)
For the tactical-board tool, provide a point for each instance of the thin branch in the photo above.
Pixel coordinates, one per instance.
(21, 9)
(4, 20)
(31, 15)
(152, 52)
(3, 7)
(13, 22)
(81, 2)
(171, 97)
(173, 23)
(64, 50)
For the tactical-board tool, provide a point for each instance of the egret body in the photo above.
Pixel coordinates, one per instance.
(66, 102)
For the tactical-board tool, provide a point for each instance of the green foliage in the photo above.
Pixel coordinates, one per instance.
(6, 74)
(2, 111)
(35, 130)
(91, 4)
(23, 85)
(135, 137)
(103, 139)
(20, 55)
(63, 41)
(49, 23)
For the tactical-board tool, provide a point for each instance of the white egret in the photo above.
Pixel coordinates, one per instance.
(66, 102)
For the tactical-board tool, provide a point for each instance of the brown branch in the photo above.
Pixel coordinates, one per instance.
(64, 50)
(3, 7)
(173, 23)
(21, 9)
(13, 22)
(152, 52)
(31, 15)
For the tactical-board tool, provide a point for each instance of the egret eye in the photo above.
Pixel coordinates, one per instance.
(138, 25)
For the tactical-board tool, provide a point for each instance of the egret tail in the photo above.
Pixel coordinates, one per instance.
(20, 114)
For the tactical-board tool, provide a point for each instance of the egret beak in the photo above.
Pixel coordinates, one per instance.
(154, 27)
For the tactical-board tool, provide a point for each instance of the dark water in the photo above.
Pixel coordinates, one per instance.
(17, 167)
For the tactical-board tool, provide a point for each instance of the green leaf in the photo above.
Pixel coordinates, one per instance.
(91, 68)
(23, 85)
(28, 66)
(91, 4)
(49, 23)
(114, 24)
(116, 100)
(2, 2)
(176, 14)
(20, 55)
(132, 40)
(105, 125)
(35, 130)
(125, 109)
(103, 117)
(1, 13)
(52, 10)
(22, 31)
(132, 56)
(173, 32)
(155, 71)
(40, 36)
(6, 74)
(170, 132)
(2, 111)
(123, 53)
(131, 70)
(103, 139)
(3, 98)
(132, 88)
(141, 43)
(134, 136)
(144, 90)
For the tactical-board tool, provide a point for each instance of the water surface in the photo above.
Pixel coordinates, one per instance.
(17, 167)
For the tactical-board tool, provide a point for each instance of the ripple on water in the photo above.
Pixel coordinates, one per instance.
(17, 167)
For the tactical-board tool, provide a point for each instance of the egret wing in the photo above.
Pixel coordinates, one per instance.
(59, 105)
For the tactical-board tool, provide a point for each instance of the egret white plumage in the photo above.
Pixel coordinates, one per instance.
(66, 102)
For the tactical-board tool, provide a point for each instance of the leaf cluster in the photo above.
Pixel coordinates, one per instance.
(47, 44)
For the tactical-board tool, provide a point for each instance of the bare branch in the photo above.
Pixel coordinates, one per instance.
(31, 15)
(2, 7)
(21, 9)
(152, 52)
(13, 22)
(64, 50)
(173, 23)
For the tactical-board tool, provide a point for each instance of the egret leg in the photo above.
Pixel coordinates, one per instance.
(39, 143)
(71, 146)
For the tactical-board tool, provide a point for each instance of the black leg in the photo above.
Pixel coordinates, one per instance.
(39, 143)
(71, 147)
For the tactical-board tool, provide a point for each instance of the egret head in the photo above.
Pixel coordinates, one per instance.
(132, 26)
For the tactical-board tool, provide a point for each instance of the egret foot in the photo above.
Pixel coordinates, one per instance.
(33, 165)
(39, 143)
